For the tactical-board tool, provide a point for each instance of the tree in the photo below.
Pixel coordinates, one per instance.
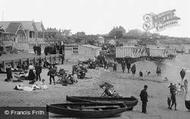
(117, 32)
(66, 32)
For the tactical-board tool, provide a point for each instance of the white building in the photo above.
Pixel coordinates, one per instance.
(81, 52)
(89, 51)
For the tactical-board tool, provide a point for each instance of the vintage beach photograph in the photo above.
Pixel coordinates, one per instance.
(81, 59)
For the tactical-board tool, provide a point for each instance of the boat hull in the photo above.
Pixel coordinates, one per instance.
(74, 111)
(128, 101)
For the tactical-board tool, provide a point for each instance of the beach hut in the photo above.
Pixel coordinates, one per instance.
(71, 50)
(158, 52)
(130, 51)
(89, 51)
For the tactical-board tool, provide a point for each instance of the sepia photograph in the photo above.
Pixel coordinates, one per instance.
(81, 59)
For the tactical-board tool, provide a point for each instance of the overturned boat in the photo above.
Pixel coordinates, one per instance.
(128, 101)
(87, 110)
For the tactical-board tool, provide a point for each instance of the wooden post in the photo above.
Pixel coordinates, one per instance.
(3, 65)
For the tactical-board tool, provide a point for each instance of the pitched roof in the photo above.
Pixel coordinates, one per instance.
(4, 24)
(39, 26)
(27, 25)
(13, 27)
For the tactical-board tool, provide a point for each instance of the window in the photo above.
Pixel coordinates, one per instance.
(75, 50)
(31, 34)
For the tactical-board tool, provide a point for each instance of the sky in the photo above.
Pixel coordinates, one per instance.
(96, 16)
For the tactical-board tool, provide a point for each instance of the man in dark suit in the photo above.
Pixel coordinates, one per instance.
(144, 98)
(38, 69)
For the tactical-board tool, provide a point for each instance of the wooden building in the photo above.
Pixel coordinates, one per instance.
(26, 33)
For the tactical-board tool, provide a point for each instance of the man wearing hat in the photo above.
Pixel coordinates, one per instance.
(9, 72)
(144, 98)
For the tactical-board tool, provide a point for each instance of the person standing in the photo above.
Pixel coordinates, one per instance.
(182, 74)
(158, 71)
(114, 66)
(38, 69)
(173, 96)
(52, 73)
(123, 66)
(144, 98)
(128, 66)
(133, 69)
(9, 73)
(31, 74)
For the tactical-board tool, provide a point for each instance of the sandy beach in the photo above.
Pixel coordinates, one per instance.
(124, 84)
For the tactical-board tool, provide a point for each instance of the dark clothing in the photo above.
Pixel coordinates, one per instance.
(74, 68)
(114, 67)
(182, 73)
(51, 78)
(128, 67)
(133, 69)
(172, 89)
(173, 99)
(52, 73)
(144, 105)
(169, 101)
(158, 71)
(144, 99)
(144, 96)
(38, 69)
(173, 96)
(31, 75)
(62, 58)
(38, 77)
(140, 74)
(123, 66)
(9, 73)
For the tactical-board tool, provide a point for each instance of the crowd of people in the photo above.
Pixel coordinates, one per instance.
(79, 71)
(132, 68)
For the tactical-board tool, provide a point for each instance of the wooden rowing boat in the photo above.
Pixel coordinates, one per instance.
(87, 110)
(128, 101)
